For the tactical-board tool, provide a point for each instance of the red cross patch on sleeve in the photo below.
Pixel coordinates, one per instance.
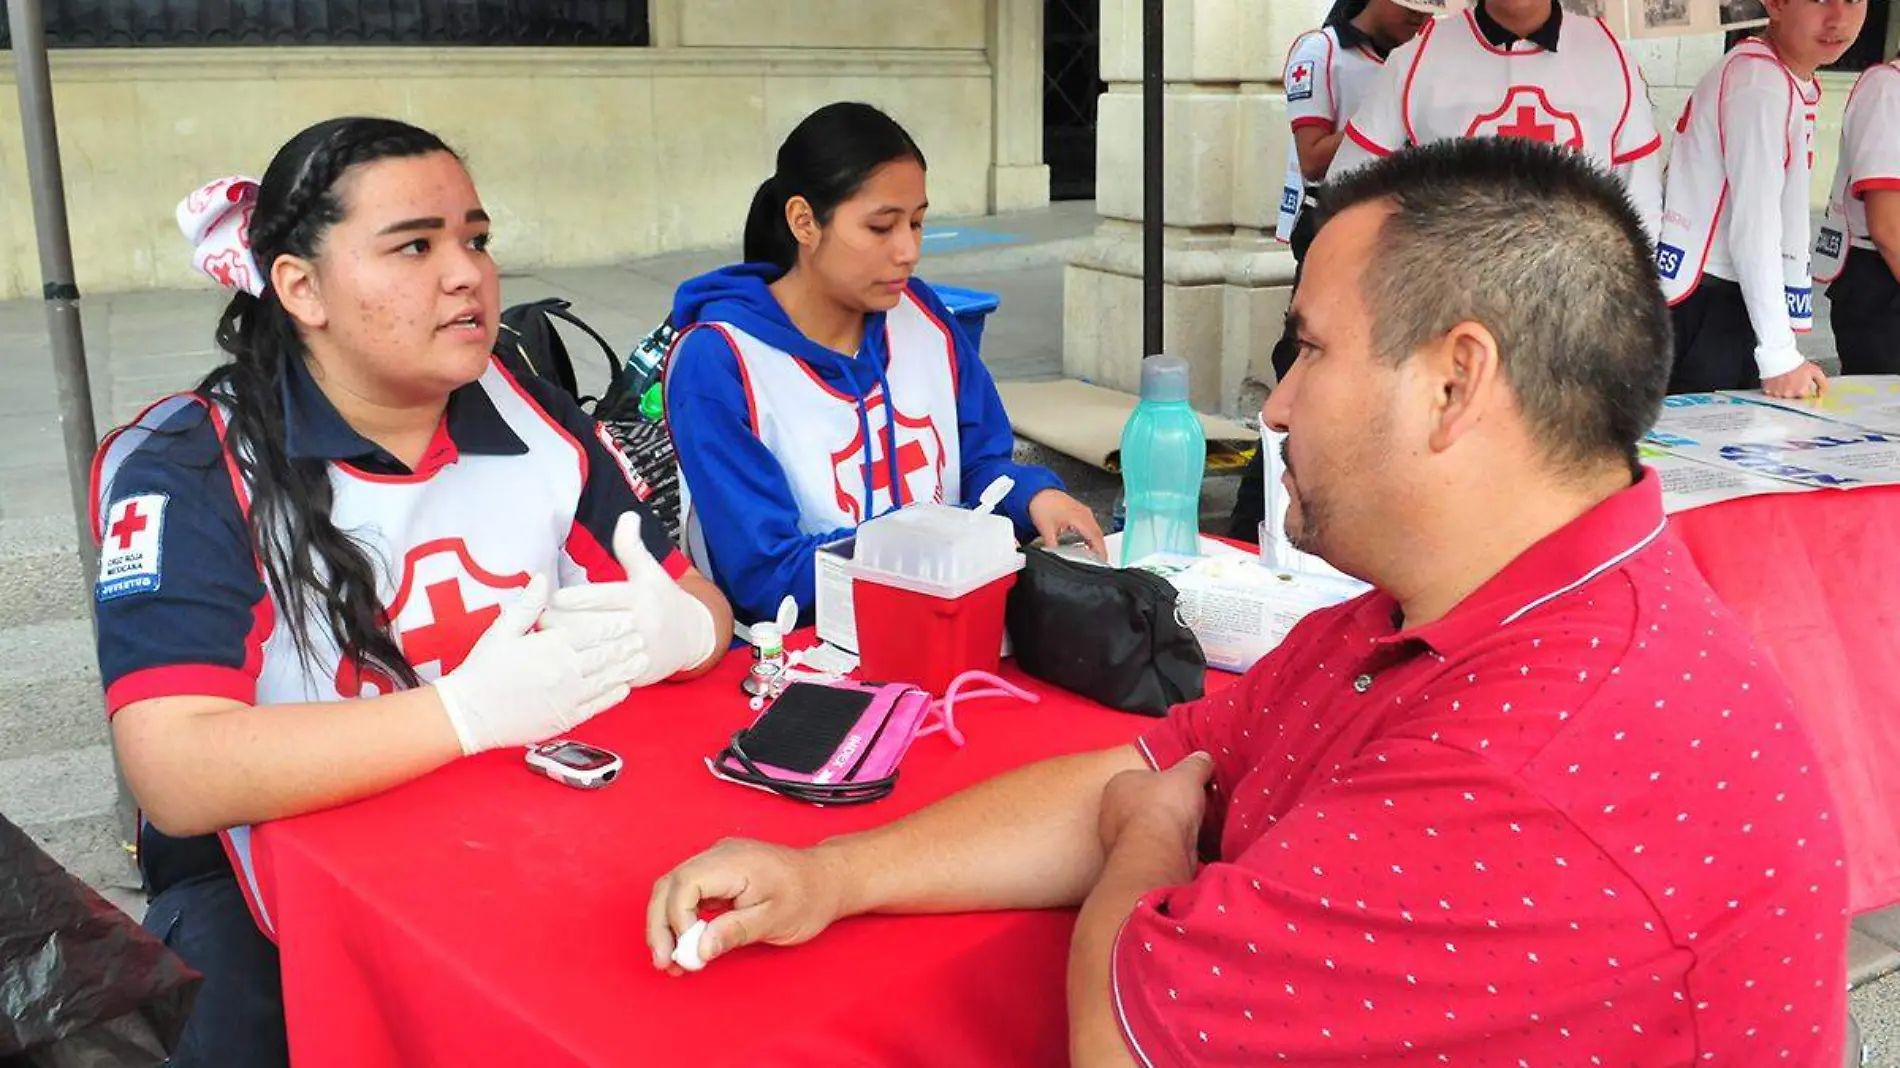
(1299, 81)
(129, 546)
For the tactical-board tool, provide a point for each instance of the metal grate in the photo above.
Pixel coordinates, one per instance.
(1071, 88)
(226, 23)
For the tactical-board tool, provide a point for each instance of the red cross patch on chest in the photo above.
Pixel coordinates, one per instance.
(444, 605)
(1527, 112)
(920, 461)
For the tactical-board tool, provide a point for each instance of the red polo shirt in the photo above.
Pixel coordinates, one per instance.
(1576, 821)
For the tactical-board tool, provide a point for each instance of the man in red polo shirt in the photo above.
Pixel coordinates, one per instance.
(1535, 800)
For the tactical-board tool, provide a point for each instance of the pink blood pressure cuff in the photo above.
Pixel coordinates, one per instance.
(829, 744)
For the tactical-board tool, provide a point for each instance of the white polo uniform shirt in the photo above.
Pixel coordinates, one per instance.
(1327, 73)
(1737, 202)
(1870, 161)
(1571, 84)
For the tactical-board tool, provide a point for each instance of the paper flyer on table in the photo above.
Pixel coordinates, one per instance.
(1808, 449)
(1871, 401)
(1690, 483)
(1240, 609)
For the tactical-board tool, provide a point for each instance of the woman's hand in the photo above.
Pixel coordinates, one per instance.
(1053, 512)
(677, 630)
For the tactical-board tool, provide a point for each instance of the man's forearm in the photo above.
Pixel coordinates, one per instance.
(1027, 839)
(1141, 862)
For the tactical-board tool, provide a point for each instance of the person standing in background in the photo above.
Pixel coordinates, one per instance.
(1733, 253)
(1327, 73)
(1858, 251)
(1516, 68)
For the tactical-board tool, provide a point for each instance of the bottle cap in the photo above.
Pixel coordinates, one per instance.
(1164, 378)
(767, 638)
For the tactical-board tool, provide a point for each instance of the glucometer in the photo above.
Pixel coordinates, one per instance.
(576, 764)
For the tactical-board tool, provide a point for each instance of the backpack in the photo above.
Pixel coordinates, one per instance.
(530, 343)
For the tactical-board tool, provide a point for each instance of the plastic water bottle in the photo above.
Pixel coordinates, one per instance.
(1164, 453)
(642, 373)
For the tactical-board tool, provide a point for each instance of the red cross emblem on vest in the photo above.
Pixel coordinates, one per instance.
(1528, 113)
(446, 602)
(920, 464)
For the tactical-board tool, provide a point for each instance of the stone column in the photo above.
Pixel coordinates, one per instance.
(663, 23)
(1226, 280)
(1018, 177)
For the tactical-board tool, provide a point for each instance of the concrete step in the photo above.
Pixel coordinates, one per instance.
(50, 698)
(91, 848)
(48, 788)
(40, 577)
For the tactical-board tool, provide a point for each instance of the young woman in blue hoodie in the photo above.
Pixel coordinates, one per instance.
(820, 384)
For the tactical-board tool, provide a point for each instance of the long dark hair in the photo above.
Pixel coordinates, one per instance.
(826, 160)
(1344, 11)
(307, 560)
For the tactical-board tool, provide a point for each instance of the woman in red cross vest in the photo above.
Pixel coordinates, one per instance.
(821, 383)
(357, 551)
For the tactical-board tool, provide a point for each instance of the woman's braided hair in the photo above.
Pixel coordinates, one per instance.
(312, 567)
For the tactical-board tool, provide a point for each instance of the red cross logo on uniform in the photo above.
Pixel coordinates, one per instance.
(446, 602)
(128, 526)
(1528, 113)
(920, 464)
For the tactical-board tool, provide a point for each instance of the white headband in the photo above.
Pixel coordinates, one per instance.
(217, 220)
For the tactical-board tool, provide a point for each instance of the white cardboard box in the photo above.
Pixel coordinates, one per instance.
(837, 615)
(1238, 607)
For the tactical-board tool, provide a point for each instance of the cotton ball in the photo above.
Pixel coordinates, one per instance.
(686, 952)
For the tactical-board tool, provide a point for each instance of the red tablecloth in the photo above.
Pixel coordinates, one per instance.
(1816, 576)
(485, 916)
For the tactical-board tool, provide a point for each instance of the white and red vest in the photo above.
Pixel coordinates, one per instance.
(1450, 82)
(1870, 161)
(1736, 204)
(1324, 83)
(452, 546)
(814, 431)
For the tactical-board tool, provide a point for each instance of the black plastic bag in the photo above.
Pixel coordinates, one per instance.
(81, 983)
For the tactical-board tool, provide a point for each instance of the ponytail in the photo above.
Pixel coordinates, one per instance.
(768, 237)
(826, 159)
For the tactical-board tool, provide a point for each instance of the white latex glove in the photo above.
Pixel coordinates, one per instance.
(520, 686)
(675, 629)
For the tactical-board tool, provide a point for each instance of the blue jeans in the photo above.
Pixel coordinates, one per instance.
(238, 1020)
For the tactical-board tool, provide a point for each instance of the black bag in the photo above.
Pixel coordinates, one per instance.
(1112, 635)
(530, 343)
(80, 981)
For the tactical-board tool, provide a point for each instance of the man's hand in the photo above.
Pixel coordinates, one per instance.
(1053, 511)
(1150, 821)
(779, 896)
(1166, 804)
(1806, 380)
